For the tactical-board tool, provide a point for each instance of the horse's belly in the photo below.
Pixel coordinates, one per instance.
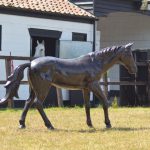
(69, 87)
(70, 82)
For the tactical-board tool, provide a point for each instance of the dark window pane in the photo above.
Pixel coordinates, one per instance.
(79, 37)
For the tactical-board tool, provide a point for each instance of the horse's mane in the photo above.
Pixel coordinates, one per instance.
(107, 50)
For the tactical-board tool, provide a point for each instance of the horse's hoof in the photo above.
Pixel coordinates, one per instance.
(108, 126)
(90, 124)
(50, 128)
(22, 126)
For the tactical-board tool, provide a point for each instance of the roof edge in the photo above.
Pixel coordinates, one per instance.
(46, 15)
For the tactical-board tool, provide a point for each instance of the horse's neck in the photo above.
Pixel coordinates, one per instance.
(108, 61)
(36, 55)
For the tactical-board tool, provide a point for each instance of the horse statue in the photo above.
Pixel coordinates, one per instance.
(82, 73)
(40, 49)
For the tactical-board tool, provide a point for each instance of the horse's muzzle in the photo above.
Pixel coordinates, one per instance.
(133, 70)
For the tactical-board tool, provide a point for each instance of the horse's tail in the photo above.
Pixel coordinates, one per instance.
(13, 83)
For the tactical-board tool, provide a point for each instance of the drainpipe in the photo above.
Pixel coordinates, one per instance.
(94, 27)
(94, 31)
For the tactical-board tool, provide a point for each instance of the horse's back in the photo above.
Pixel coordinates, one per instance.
(49, 60)
(42, 61)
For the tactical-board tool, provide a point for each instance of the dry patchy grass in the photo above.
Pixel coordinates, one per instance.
(130, 131)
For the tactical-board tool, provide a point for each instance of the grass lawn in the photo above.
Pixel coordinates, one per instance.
(130, 130)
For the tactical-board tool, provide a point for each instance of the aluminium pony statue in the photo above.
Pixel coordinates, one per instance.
(82, 73)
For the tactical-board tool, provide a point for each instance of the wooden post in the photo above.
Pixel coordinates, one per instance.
(59, 97)
(106, 84)
(8, 73)
(135, 78)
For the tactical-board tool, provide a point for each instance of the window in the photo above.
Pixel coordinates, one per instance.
(0, 36)
(79, 36)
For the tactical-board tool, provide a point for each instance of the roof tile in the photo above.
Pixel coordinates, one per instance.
(63, 7)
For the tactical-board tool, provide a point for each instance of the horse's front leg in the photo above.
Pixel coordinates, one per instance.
(28, 104)
(96, 89)
(86, 96)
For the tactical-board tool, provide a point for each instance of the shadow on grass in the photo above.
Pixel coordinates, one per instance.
(61, 130)
(126, 129)
(80, 131)
(92, 130)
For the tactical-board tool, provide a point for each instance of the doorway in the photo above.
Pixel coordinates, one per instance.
(50, 50)
(50, 45)
(51, 40)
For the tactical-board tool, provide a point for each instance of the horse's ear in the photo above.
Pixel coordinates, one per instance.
(129, 45)
(43, 42)
(37, 42)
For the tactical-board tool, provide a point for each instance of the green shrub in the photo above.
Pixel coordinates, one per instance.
(115, 102)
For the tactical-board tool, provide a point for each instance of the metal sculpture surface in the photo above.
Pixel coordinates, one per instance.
(81, 73)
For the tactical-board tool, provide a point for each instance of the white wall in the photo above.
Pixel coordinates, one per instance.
(16, 38)
(74, 49)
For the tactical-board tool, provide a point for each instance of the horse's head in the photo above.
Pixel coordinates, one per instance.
(126, 58)
(40, 49)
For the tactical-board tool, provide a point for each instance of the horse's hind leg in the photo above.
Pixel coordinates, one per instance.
(39, 107)
(96, 89)
(86, 95)
(28, 104)
(41, 87)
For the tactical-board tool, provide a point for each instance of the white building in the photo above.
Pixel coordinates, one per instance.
(66, 29)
